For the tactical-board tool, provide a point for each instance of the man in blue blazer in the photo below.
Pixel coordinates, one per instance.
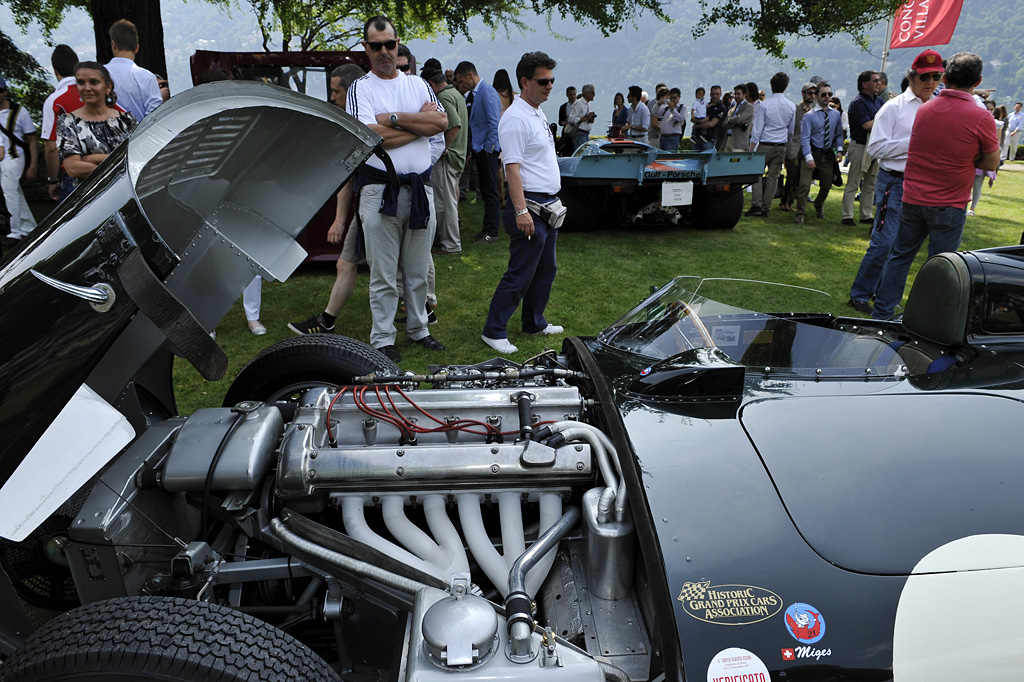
(484, 113)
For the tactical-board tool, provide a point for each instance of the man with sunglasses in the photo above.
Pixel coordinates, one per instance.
(821, 143)
(484, 114)
(937, 183)
(396, 223)
(532, 171)
(890, 140)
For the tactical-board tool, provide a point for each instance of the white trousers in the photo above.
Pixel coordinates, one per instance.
(22, 221)
(252, 298)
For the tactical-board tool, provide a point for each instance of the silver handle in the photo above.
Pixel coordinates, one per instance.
(100, 296)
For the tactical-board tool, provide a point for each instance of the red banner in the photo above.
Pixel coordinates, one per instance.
(922, 23)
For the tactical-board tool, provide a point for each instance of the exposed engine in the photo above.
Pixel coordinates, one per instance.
(480, 527)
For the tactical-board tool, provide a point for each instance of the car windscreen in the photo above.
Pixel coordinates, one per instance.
(680, 317)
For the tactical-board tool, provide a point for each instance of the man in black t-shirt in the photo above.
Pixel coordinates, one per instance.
(704, 134)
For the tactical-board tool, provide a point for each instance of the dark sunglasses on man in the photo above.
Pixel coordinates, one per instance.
(402, 67)
(933, 76)
(544, 82)
(387, 44)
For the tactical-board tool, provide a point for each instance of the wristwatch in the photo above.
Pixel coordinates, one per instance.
(393, 119)
(522, 212)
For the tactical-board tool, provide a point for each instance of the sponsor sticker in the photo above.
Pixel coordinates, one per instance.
(805, 652)
(726, 334)
(645, 371)
(805, 623)
(728, 604)
(737, 665)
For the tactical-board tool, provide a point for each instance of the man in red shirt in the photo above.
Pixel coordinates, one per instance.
(64, 100)
(951, 137)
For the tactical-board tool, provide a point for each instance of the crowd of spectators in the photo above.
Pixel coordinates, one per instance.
(443, 128)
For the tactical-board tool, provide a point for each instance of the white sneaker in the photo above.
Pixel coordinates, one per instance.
(256, 327)
(549, 330)
(501, 345)
(970, 212)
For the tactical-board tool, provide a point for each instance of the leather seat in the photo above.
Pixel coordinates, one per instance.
(936, 314)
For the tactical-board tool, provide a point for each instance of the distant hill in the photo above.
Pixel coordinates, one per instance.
(650, 52)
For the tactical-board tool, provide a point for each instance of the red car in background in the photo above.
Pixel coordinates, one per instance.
(305, 72)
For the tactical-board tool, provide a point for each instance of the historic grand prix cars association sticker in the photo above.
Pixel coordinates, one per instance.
(737, 665)
(805, 623)
(728, 604)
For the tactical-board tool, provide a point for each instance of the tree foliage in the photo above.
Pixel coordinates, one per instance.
(26, 79)
(773, 20)
(337, 24)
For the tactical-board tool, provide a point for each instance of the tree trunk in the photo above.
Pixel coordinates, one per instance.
(145, 14)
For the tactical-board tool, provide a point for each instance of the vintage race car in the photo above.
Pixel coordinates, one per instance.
(702, 491)
(617, 182)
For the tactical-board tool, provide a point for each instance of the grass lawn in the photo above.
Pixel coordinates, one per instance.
(602, 274)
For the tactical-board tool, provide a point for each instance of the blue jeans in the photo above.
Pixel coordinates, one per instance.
(942, 226)
(582, 137)
(669, 143)
(702, 145)
(532, 264)
(888, 204)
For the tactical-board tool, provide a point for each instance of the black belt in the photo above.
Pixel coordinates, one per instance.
(542, 195)
(896, 174)
(772, 144)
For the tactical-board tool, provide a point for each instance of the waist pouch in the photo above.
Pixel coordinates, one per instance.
(552, 213)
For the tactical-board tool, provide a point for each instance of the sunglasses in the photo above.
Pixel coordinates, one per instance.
(402, 67)
(934, 76)
(387, 44)
(544, 82)
(824, 94)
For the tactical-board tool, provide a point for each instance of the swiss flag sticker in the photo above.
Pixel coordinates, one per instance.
(788, 655)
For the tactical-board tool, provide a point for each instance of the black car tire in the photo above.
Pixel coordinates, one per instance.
(719, 211)
(285, 369)
(584, 212)
(162, 638)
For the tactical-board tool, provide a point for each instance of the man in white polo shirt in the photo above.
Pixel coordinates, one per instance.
(528, 152)
(396, 222)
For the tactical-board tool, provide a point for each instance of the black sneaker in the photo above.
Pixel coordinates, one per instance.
(391, 353)
(430, 343)
(314, 325)
(486, 239)
(754, 211)
(431, 315)
(860, 306)
(848, 222)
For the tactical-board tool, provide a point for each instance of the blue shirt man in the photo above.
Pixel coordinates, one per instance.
(821, 143)
(484, 115)
(863, 169)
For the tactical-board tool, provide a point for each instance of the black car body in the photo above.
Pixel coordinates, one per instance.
(700, 492)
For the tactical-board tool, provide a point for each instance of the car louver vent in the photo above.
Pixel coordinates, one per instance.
(198, 151)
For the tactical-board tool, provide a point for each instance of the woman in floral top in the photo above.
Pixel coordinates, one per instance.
(87, 135)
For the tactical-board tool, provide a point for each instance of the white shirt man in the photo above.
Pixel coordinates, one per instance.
(15, 160)
(398, 225)
(889, 145)
(1014, 122)
(774, 121)
(528, 152)
(582, 116)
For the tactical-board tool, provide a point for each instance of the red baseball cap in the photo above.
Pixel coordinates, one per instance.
(928, 61)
